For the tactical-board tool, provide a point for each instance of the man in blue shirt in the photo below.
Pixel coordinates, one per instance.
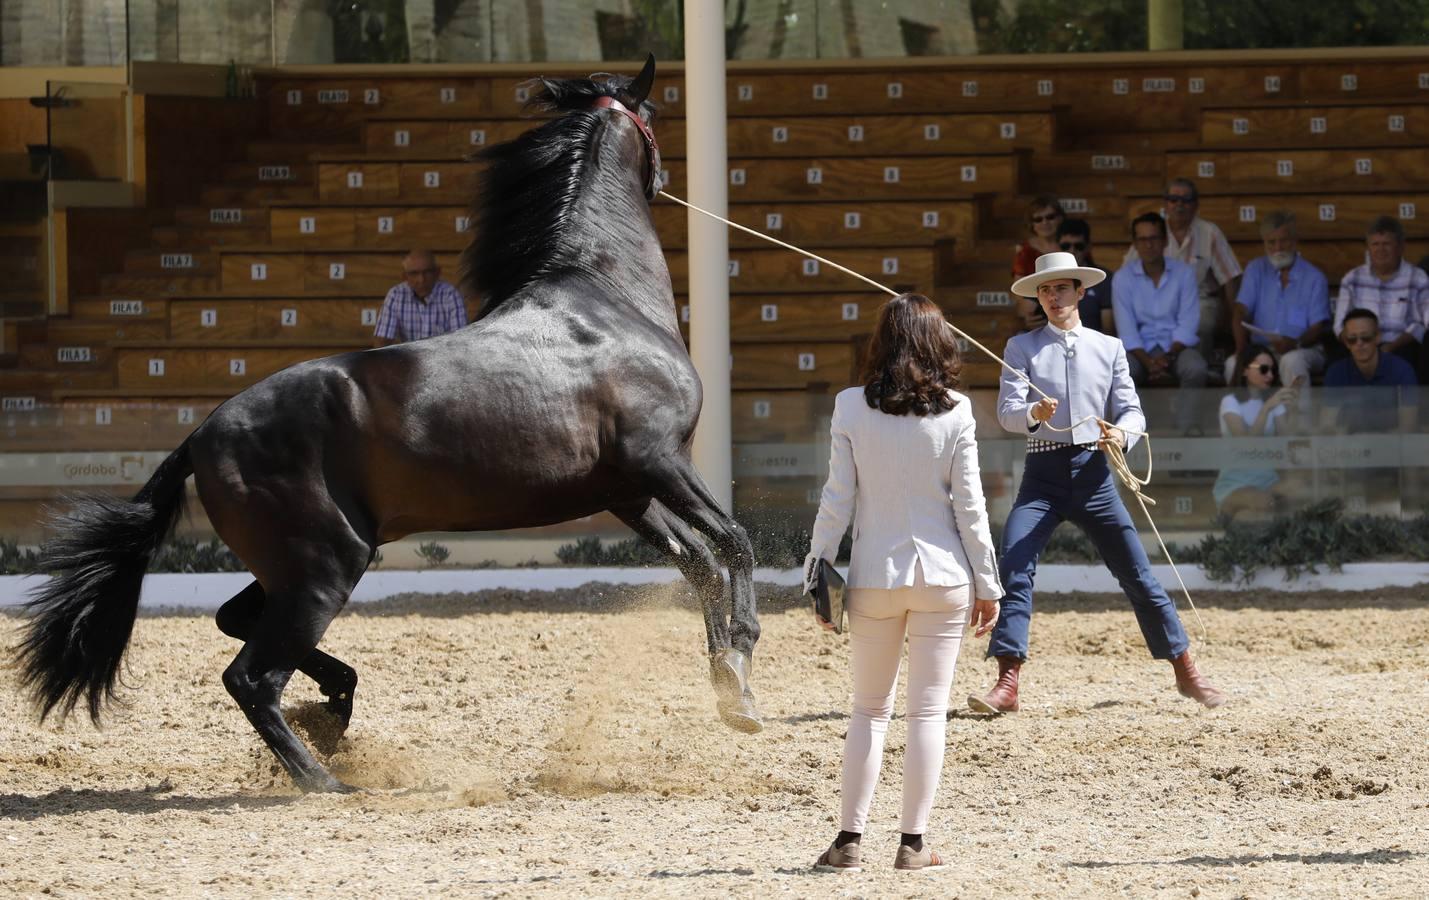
(1286, 302)
(1383, 392)
(1158, 313)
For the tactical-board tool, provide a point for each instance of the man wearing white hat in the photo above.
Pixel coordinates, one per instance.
(1066, 476)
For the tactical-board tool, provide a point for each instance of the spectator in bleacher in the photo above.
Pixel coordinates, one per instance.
(421, 306)
(1203, 246)
(1253, 408)
(1388, 286)
(1388, 392)
(1157, 310)
(1074, 236)
(1044, 214)
(1286, 302)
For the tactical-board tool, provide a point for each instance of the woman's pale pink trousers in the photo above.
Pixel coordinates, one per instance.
(933, 618)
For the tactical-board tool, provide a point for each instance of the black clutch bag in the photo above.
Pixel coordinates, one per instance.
(828, 595)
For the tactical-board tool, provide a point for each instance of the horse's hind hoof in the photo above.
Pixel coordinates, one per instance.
(729, 673)
(325, 783)
(340, 708)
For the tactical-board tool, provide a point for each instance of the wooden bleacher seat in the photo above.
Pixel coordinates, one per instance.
(791, 365)
(1340, 125)
(813, 225)
(769, 136)
(230, 366)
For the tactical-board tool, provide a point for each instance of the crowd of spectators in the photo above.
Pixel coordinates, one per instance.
(1186, 310)
(1294, 356)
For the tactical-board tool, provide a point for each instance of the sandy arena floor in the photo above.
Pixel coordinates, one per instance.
(522, 745)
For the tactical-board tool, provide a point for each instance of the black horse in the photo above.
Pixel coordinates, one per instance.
(570, 394)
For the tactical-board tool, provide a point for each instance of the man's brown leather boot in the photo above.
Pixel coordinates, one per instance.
(1193, 684)
(1003, 696)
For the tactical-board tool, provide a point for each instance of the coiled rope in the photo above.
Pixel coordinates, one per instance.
(1116, 456)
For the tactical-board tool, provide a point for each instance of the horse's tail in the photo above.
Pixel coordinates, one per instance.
(82, 618)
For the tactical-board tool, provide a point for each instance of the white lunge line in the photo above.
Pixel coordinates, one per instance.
(1112, 449)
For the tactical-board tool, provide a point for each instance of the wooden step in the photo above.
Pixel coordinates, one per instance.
(178, 237)
(117, 309)
(156, 286)
(41, 384)
(77, 331)
(1364, 169)
(236, 217)
(222, 195)
(188, 263)
(812, 179)
(1300, 126)
(277, 152)
(253, 174)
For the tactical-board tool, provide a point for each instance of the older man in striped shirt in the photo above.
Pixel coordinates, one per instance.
(421, 306)
(1388, 286)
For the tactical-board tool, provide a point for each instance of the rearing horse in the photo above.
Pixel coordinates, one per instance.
(570, 394)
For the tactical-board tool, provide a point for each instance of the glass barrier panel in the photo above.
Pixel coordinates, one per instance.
(206, 31)
(63, 33)
(249, 32)
(1201, 482)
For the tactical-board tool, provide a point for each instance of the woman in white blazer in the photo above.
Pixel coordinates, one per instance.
(904, 468)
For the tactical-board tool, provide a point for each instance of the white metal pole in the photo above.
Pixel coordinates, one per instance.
(707, 165)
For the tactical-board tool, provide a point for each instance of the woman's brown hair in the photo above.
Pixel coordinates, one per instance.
(912, 361)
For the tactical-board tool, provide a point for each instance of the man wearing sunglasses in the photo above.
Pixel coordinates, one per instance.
(1202, 245)
(421, 306)
(1384, 392)
(1286, 302)
(1388, 286)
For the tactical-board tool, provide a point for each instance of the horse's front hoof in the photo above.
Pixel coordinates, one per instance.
(741, 715)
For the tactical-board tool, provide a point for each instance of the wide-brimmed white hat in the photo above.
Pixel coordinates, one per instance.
(1052, 266)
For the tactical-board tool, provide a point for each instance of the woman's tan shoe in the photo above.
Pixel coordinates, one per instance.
(911, 860)
(847, 858)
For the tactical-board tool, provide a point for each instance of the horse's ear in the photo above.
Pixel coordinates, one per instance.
(639, 89)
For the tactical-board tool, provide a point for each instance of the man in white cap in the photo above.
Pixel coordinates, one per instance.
(1066, 476)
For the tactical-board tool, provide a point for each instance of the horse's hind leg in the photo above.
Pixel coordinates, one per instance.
(305, 592)
(679, 487)
(335, 679)
(682, 547)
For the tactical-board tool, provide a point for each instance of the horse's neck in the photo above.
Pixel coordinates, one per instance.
(630, 257)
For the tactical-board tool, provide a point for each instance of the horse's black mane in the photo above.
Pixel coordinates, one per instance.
(521, 214)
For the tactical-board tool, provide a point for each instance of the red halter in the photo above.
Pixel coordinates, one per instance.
(652, 149)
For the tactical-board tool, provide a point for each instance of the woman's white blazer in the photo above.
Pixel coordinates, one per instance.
(911, 486)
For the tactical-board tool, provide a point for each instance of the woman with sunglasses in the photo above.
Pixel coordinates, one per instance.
(1044, 214)
(1253, 409)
